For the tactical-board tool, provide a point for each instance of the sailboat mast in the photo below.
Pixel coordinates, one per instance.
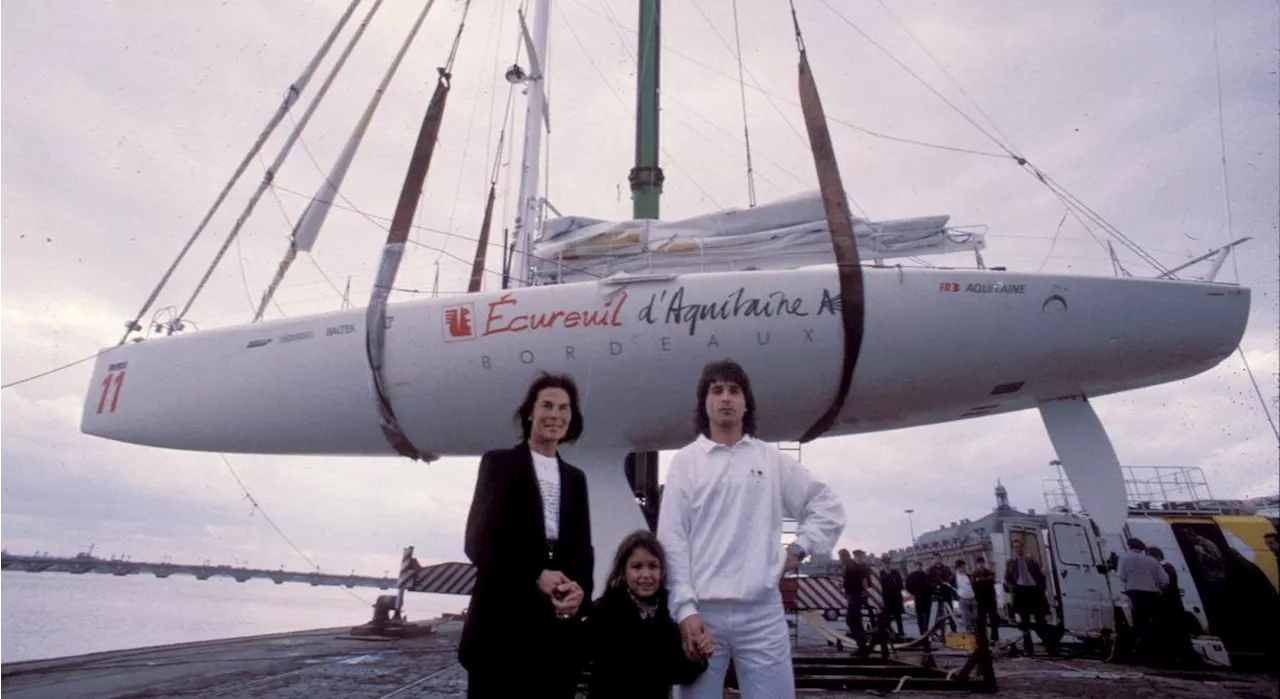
(646, 188)
(646, 177)
(526, 225)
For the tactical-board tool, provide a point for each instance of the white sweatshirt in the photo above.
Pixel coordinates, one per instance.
(721, 520)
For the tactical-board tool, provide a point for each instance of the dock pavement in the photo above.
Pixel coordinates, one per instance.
(334, 663)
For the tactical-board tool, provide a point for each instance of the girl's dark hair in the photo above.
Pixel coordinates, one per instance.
(728, 371)
(524, 414)
(639, 539)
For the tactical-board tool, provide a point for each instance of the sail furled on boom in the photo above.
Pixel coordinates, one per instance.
(784, 234)
(307, 229)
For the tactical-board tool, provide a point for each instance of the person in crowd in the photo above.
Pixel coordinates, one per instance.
(634, 644)
(1210, 563)
(1143, 580)
(1173, 633)
(1024, 579)
(857, 577)
(967, 597)
(891, 589)
(984, 591)
(942, 581)
(721, 523)
(529, 536)
(919, 588)
(1273, 545)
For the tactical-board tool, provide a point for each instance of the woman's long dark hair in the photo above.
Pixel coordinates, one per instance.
(524, 414)
(729, 371)
(639, 539)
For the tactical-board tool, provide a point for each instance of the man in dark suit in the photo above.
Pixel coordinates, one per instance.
(891, 589)
(984, 590)
(1023, 577)
(529, 536)
(919, 588)
(857, 575)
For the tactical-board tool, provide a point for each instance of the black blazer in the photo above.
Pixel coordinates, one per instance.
(506, 540)
(1011, 572)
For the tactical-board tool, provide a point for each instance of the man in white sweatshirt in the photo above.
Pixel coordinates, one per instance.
(721, 523)
(968, 600)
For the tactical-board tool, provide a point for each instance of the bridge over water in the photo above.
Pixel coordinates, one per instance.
(84, 563)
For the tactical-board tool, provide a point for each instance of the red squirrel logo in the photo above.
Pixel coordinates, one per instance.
(457, 322)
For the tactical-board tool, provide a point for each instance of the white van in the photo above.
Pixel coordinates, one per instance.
(1086, 597)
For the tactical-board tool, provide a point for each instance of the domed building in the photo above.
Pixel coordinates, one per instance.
(966, 538)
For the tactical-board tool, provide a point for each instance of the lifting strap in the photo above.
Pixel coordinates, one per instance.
(376, 317)
(848, 265)
(482, 245)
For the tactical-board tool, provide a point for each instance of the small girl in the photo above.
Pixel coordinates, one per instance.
(635, 645)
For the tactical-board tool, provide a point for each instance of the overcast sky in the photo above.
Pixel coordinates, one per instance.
(121, 120)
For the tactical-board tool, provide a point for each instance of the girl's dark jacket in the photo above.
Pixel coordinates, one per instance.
(633, 657)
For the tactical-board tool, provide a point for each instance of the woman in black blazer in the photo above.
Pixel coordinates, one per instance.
(529, 536)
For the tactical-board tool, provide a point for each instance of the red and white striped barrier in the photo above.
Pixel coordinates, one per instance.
(875, 596)
(820, 594)
(443, 578)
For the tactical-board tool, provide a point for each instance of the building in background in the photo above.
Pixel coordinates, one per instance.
(966, 539)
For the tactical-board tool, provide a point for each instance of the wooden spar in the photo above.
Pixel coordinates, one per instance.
(848, 264)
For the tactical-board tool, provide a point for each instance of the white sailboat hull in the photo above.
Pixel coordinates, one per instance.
(938, 345)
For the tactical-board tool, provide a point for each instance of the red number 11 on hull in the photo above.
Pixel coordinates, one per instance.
(106, 388)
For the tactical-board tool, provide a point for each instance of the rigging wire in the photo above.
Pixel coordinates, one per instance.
(55, 370)
(466, 143)
(493, 95)
(257, 507)
(737, 139)
(1032, 169)
(458, 181)
(742, 92)
(919, 79)
(1226, 203)
(282, 155)
(665, 154)
(774, 99)
(291, 96)
(244, 276)
(375, 220)
(1053, 243)
(769, 96)
(1222, 145)
(948, 75)
(1074, 202)
(275, 195)
(1261, 400)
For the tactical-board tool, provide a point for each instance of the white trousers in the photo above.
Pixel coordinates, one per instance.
(755, 635)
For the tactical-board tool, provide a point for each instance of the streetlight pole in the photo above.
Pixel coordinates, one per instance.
(912, 526)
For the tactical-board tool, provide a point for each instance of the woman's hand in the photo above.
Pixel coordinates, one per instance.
(567, 598)
(549, 581)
